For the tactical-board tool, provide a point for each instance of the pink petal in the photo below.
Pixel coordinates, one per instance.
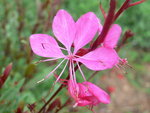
(100, 94)
(45, 46)
(100, 59)
(85, 97)
(64, 28)
(91, 94)
(112, 36)
(88, 100)
(83, 102)
(83, 90)
(86, 26)
(75, 93)
(100, 27)
(87, 93)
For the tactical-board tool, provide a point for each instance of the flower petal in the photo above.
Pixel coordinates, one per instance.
(100, 94)
(45, 46)
(75, 93)
(64, 28)
(100, 59)
(112, 36)
(86, 26)
(83, 102)
(100, 27)
(85, 97)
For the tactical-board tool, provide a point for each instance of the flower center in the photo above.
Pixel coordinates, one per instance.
(70, 57)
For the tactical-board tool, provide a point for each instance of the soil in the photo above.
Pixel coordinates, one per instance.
(125, 98)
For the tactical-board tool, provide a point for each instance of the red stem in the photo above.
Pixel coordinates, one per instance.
(136, 3)
(59, 89)
(123, 7)
(128, 34)
(126, 5)
(103, 11)
(107, 25)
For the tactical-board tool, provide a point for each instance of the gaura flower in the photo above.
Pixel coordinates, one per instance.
(79, 34)
(105, 54)
(87, 93)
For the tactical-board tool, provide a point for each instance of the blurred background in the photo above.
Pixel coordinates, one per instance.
(129, 87)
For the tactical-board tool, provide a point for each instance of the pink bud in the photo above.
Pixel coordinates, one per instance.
(87, 93)
(111, 89)
(120, 76)
(5, 74)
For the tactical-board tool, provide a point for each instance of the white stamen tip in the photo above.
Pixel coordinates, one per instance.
(75, 105)
(40, 80)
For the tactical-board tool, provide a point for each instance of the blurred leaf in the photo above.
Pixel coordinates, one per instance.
(30, 70)
(137, 84)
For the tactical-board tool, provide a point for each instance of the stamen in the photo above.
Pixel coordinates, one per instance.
(75, 105)
(62, 72)
(62, 81)
(51, 71)
(128, 65)
(122, 69)
(81, 71)
(46, 60)
(59, 75)
(73, 80)
(63, 48)
(124, 63)
(70, 69)
(40, 80)
(74, 75)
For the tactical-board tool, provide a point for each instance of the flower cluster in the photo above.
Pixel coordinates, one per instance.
(74, 36)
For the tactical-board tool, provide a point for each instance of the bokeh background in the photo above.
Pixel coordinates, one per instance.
(129, 87)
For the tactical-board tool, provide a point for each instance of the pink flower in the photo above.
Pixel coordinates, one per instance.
(106, 54)
(87, 93)
(79, 34)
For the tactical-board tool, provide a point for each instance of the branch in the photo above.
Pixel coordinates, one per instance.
(122, 8)
(107, 25)
(58, 90)
(103, 11)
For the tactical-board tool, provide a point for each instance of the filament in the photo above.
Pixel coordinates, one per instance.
(51, 71)
(72, 75)
(121, 69)
(81, 71)
(73, 72)
(61, 72)
(63, 48)
(46, 60)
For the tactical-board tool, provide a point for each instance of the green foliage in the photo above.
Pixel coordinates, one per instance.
(10, 95)
(137, 19)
